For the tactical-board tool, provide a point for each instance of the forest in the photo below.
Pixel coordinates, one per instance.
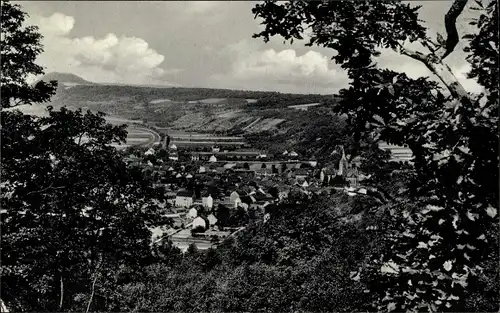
(75, 219)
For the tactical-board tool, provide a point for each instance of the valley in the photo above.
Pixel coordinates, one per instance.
(269, 121)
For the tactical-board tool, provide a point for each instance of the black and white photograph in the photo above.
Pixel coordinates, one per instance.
(249, 156)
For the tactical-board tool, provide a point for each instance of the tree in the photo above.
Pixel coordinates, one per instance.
(20, 47)
(326, 181)
(72, 212)
(283, 167)
(274, 191)
(223, 216)
(274, 169)
(453, 135)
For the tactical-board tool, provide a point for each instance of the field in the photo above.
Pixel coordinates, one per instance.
(137, 135)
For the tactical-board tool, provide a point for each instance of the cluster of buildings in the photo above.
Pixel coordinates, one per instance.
(205, 192)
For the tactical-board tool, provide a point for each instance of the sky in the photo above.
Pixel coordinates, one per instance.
(201, 44)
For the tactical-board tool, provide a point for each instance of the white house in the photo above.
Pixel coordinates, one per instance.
(199, 222)
(212, 220)
(293, 154)
(150, 151)
(234, 197)
(208, 201)
(202, 169)
(184, 198)
(189, 176)
(173, 147)
(212, 159)
(193, 213)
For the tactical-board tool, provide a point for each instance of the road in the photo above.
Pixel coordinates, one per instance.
(155, 137)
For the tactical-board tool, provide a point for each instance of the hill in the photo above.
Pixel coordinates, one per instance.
(65, 78)
(270, 119)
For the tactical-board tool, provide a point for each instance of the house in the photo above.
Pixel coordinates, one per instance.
(264, 171)
(173, 147)
(249, 200)
(235, 198)
(199, 222)
(212, 159)
(262, 197)
(173, 157)
(189, 176)
(150, 151)
(212, 220)
(207, 201)
(184, 198)
(301, 173)
(293, 154)
(195, 157)
(193, 213)
(352, 177)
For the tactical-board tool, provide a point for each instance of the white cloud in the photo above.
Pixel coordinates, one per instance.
(57, 24)
(471, 85)
(201, 6)
(108, 59)
(283, 70)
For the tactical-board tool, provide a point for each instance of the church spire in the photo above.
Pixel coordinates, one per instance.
(343, 163)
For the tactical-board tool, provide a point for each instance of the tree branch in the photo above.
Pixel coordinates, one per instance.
(419, 56)
(62, 293)
(45, 189)
(438, 68)
(450, 21)
(93, 285)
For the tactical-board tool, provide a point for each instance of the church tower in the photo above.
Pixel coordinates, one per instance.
(343, 163)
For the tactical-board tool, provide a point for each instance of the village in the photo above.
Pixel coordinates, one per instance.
(213, 191)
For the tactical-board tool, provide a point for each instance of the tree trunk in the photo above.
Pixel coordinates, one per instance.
(3, 307)
(61, 293)
(444, 73)
(96, 275)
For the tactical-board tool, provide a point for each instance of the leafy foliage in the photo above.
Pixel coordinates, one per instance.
(20, 47)
(302, 258)
(454, 188)
(72, 212)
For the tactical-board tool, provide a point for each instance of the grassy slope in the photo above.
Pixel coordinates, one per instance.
(184, 108)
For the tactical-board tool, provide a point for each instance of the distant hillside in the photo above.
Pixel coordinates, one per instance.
(193, 109)
(66, 79)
